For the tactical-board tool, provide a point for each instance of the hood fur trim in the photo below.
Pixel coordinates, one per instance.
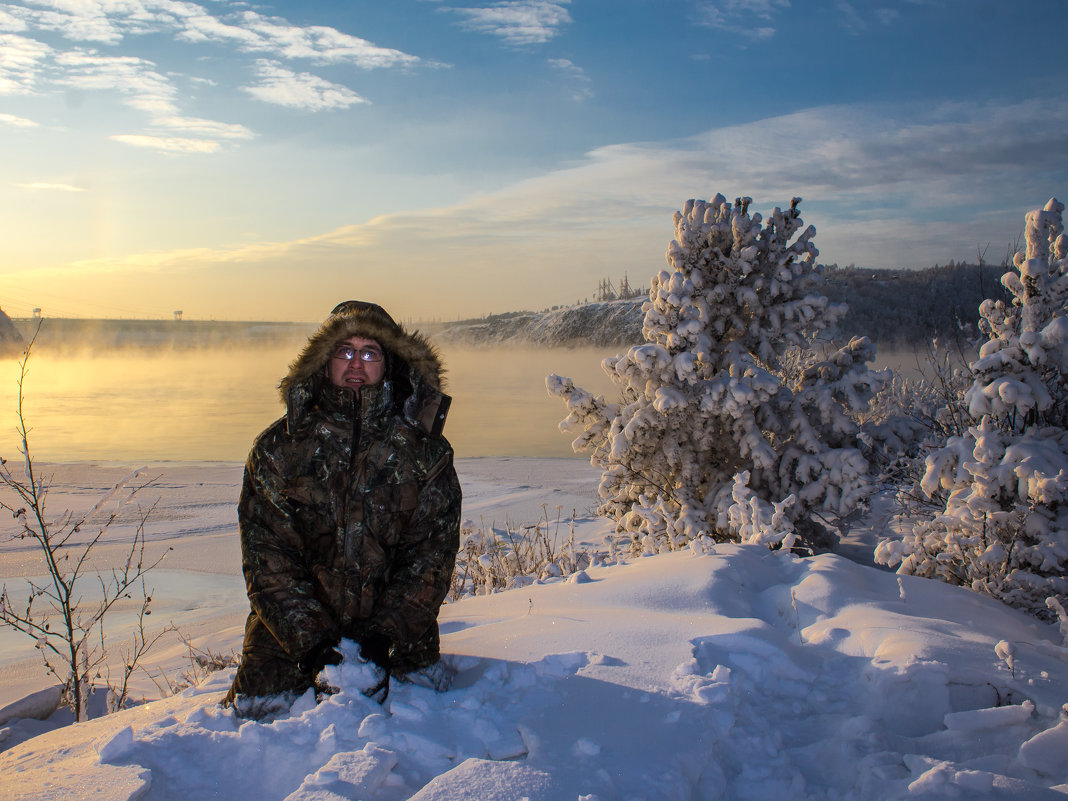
(410, 351)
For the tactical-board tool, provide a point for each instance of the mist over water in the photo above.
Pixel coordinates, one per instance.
(209, 403)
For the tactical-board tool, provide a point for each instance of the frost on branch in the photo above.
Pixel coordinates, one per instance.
(1003, 530)
(708, 397)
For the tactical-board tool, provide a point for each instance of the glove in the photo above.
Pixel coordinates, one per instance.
(323, 654)
(377, 648)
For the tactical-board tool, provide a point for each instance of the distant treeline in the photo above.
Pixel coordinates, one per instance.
(895, 308)
(908, 307)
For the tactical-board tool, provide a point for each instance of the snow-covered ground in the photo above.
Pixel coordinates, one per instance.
(732, 674)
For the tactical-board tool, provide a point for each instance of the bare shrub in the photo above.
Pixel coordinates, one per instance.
(492, 560)
(67, 622)
(202, 662)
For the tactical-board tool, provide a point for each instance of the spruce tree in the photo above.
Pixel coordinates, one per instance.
(713, 433)
(1003, 527)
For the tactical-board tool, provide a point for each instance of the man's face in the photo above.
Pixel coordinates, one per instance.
(366, 366)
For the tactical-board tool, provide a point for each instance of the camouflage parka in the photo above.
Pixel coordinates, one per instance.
(349, 510)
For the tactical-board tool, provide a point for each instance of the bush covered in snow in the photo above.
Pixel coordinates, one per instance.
(713, 435)
(1002, 484)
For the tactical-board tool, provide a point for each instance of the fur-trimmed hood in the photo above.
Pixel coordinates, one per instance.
(415, 375)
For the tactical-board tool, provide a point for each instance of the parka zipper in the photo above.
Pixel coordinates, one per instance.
(357, 423)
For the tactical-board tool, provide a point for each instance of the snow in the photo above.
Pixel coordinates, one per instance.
(722, 672)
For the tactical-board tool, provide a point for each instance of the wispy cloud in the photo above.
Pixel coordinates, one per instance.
(284, 87)
(517, 22)
(145, 89)
(86, 21)
(21, 60)
(857, 20)
(195, 125)
(47, 187)
(850, 19)
(750, 19)
(9, 22)
(16, 122)
(136, 79)
(881, 193)
(111, 21)
(28, 65)
(168, 144)
(319, 43)
(577, 80)
(887, 16)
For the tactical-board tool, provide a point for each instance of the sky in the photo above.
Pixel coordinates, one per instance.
(264, 160)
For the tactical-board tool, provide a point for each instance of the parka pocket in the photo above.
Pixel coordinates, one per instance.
(316, 512)
(390, 511)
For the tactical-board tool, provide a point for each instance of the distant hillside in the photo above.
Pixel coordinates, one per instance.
(909, 307)
(895, 308)
(610, 323)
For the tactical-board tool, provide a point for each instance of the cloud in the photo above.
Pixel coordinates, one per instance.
(169, 144)
(578, 80)
(284, 87)
(16, 122)
(21, 60)
(217, 130)
(881, 192)
(9, 22)
(86, 21)
(145, 89)
(111, 21)
(46, 187)
(136, 79)
(746, 18)
(517, 22)
(887, 16)
(320, 43)
(849, 18)
(856, 20)
(194, 24)
(26, 62)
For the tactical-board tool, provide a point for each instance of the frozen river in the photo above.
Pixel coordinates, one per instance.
(162, 403)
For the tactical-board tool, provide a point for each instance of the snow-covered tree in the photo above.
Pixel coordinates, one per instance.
(1003, 530)
(712, 435)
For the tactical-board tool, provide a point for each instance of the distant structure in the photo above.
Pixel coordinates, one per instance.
(607, 291)
(177, 315)
(37, 313)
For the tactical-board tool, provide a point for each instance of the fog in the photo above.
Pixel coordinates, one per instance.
(101, 390)
(207, 403)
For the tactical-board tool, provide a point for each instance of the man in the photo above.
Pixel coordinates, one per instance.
(349, 512)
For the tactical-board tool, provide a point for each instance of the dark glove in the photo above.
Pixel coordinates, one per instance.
(323, 654)
(377, 648)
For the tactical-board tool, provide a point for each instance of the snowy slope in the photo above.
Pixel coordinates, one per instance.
(736, 674)
(610, 323)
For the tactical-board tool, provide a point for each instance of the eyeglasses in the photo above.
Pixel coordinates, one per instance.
(348, 353)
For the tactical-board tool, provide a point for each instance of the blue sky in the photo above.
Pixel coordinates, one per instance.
(262, 160)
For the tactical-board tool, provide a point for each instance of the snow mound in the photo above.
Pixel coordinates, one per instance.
(740, 674)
